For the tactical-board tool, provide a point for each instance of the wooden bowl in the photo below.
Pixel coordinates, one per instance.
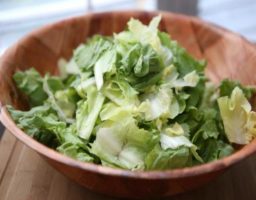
(228, 55)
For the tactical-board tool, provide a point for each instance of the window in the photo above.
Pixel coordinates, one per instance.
(18, 17)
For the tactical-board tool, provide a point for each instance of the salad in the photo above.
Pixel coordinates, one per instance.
(136, 100)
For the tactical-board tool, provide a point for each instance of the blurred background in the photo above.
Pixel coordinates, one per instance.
(17, 17)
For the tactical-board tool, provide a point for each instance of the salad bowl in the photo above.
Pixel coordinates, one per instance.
(228, 56)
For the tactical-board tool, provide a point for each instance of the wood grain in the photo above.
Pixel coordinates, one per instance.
(228, 55)
(41, 182)
(7, 145)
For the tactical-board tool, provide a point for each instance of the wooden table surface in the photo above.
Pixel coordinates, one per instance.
(24, 175)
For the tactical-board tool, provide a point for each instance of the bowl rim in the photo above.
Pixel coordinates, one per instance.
(186, 172)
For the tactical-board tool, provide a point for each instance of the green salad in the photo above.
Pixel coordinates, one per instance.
(136, 100)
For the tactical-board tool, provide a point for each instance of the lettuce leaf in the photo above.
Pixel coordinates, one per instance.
(121, 93)
(104, 64)
(51, 85)
(159, 159)
(238, 119)
(227, 86)
(158, 104)
(88, 111)
(31, 83)
(41, 123)
(140, 66)
(172, 80)
(86, 55)
(184, 62)
(74, 146)
(146, 34)
(68, 68)
(123, 144)
(66, 99)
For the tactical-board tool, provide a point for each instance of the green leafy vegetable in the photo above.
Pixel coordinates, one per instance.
(88, 111)
(135, 101)
(31, 83)
(227, 86)
(123, 145)
(239, 120)
(86, 55)
(168, 159)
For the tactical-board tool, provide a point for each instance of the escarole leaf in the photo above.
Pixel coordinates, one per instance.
(175, 130)
(172, 80)
(146, 34)
(174, 142)
(86, 55)
(73, 146)
(157, 104)
(31, 83)
(123, 145)
(50, 86)
(162, 103)
(227, 86)
(88, 111)
(120, 92)
(239, 120)
(75, 151)
(173, 138)
(41, 123)
(66, 99)
(140, 66)
(184, 62)
(82, 86)
(68, 68)
(160, 159)
(113, 112)
(104, 64)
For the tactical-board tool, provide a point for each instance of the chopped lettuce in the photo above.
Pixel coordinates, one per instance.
(227, 86)
(52, 85)
(88, 111)
(31, 84)
(159, 159)
(123, 144)
(146, 34)
(66, 100)
(120, 92)
(105, 64)
(174, 142)
(74, 146)
(41, 123)
(140, 66)
(135, 101)
(238, 119)
(86, 55)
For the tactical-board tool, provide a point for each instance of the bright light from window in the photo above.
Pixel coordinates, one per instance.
(18, 17)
